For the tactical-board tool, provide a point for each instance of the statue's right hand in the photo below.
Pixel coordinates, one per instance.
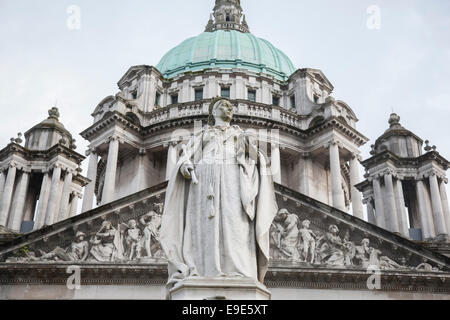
(186, 170)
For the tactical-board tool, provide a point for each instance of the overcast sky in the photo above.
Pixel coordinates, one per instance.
(403, 66)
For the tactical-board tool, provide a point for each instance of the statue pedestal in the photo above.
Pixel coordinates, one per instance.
(201, 288)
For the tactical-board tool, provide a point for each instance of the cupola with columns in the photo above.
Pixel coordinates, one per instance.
(40, 181)
(405, 188)
(227, 15)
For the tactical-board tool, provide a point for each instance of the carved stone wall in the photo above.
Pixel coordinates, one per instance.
(312, 246)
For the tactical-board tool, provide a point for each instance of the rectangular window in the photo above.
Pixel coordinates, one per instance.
(293, 102)
(198, 94)
(252, 95)
(174, 98)
(225, 93)
(276, 101)
(158, 97)
(134, 95)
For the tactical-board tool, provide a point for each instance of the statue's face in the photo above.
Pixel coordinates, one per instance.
(224, 111)
(365, 243)
(334, 229)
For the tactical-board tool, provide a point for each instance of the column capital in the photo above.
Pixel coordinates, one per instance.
(377, 176)
(26, 170)
(91, 151)
(115, 137)
(57, 165)
(305, 155)
(171, 143)
(13, 164)
(334, 142)
(355, 156)
(388, 172)
(428, 174)
(71, 171)
(77, 194)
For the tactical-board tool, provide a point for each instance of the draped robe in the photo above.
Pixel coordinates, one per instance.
(220, 226)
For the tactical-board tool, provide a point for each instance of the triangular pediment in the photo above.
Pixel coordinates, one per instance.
(334, 239)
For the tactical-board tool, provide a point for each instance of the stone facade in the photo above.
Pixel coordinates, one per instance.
(40, 182)
(344, 247)
(310, 139)
(321, 247)
(404, 188)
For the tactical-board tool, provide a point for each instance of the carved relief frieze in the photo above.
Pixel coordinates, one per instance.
(304, 234)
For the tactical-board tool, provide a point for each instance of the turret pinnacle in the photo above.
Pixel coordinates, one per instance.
(227, 15)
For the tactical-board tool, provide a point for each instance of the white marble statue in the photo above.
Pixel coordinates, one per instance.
(309, 242)
(152, 223)
(133, 239)
(106, 244)
(220, 204)
(289, 235)
(77, 251)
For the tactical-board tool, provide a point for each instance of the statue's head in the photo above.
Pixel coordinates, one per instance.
(283, 214)
(80, 236)
(306, 223)
(132, 224)
(365, 242)
(220, 108)
(333, 229)
(106, 225)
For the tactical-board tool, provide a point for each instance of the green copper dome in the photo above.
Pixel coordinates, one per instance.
(226, 49)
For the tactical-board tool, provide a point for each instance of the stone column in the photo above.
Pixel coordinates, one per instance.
(2, 182)
(39, 220)
(304, 164)
(391, 215)
(5, 203)
(445, 206)
(89, 190)
(146, 78)
(336, 179)
(276, 162)
(379, 204)
(357, 204)
(436, 203)
(172, 159)
(67, 189)
(74, 205)
(423, 211)
(401, 210)
(370, 212)
(111, 168)
(54, 195)
(16, 218)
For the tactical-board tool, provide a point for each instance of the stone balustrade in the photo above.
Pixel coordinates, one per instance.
(244, 108)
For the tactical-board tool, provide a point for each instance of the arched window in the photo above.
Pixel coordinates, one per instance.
(317, 121)
(133, 118)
